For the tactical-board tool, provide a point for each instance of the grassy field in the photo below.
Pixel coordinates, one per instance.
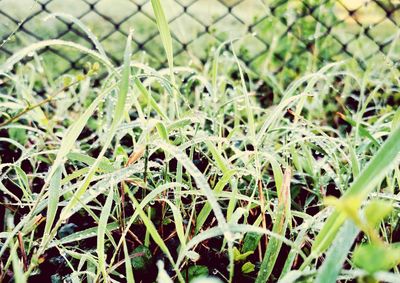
(197, 173)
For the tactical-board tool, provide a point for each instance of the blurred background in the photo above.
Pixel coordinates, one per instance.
(274, 36)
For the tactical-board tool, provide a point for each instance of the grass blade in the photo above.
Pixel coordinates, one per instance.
(81, 25)
(18, 56)
(54, 194)
(337, 254)
(19, 276)
(365, 182)
(205, 211)
(105, 214)
(154, 233)
(118, 114)
(165, 34)
(279, 228)
(201, 181)
(128, 265)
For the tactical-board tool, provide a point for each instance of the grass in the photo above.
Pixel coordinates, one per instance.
(184, 173)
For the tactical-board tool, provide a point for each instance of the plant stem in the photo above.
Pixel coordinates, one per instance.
(32, 107)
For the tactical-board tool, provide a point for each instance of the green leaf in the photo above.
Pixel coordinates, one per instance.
(274, 246)
(179, 124)
(250, 242)
(142, 258)
(376, 211)
(162, 131)
(149, 99)
(376, 257)
(124, 83)
(346, 206)
(196, 271)
(18, 273)
(23, 181)
(205, 211)
(18, 135)
(104, 165)
(248, 267)
(238, 256)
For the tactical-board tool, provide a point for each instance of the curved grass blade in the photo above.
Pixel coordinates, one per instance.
(200, 180)
(365, 182)
(149, 99)
(118, 114)
(18, 56)
(79, 23)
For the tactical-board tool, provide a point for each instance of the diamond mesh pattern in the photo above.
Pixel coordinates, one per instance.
(283, 34)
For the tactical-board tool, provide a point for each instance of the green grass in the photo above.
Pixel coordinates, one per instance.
(183, 173)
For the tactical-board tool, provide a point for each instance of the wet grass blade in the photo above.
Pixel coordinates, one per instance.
(365, 182)
(165, 34)
(152, 230)
(280, 226)
(81, 25)
(128, 265)
(362, 131)
(149, 99)
(205, 211)
(105, 214)
(18, 275)
(54, 194)
(337, 254)
(119, 111)
(18, 56)
(200, 180)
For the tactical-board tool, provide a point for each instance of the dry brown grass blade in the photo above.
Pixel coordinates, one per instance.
(284, 196)
(136, 155)
(23, 252)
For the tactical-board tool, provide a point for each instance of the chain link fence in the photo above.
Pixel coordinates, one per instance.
(275, 35)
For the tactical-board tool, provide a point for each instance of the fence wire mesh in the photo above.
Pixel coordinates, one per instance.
(275, 35)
